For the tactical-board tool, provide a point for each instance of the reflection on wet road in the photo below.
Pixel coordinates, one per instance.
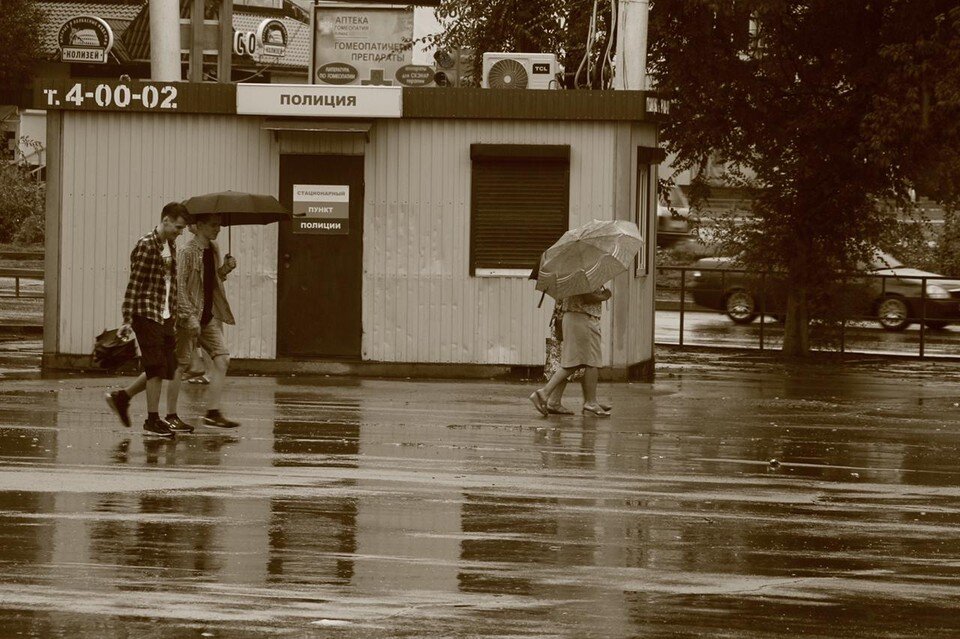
(771, 502)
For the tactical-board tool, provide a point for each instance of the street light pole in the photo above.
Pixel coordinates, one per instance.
(165, 40)
(631, 68)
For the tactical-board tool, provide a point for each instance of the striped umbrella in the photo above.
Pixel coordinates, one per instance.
(588, 257)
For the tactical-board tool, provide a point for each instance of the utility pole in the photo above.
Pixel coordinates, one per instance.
(196, 41)
(226, 42)
(165, 40)
(631, 67)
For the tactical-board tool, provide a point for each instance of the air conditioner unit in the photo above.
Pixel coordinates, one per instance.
(520, 71)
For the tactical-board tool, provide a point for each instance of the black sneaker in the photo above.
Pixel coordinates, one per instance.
(119, 403)
(157, 427)
(215, 419)
(177, 425)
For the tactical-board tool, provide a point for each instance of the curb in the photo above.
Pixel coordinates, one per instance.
(669, 305)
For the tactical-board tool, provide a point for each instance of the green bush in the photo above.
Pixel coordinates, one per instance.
(21, 206)
(30, 231)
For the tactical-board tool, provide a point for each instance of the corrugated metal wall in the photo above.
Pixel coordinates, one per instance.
(420, 303)
(118, 172)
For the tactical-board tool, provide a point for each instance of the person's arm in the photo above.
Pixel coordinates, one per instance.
(602, 294)
(138, 279)
(186, 281)
(229, 264)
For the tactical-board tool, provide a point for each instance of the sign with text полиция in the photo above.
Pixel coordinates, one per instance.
(307, 100)
(321, 209)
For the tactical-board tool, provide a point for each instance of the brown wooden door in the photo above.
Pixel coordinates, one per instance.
(320, 288)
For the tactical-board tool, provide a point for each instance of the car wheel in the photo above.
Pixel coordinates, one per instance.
(893, 314)
(937, 324)
(741, 307)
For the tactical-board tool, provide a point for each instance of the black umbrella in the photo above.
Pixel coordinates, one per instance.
(238, 209)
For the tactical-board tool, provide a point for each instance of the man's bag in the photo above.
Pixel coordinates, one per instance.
(110, 352)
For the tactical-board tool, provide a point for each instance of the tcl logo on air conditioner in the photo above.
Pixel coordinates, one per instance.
(520, 71)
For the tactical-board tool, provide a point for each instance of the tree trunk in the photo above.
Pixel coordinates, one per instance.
(796, 336)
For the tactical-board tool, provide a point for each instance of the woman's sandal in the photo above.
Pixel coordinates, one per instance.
(598, 410)
(539, 403)
(559, 409)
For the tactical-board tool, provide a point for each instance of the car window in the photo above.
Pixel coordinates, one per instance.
(881, 261)
(674, 198)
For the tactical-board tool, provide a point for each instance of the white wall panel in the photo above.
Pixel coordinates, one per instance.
(421, 304)
(119, 170)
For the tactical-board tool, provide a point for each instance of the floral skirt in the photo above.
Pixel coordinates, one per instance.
(554, 349)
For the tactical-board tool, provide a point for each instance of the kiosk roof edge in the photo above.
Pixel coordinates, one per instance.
(419, 103)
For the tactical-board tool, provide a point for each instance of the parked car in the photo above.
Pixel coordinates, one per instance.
(673, 223)
(895, 302)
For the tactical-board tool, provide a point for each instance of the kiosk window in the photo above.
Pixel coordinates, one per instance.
(519, 205)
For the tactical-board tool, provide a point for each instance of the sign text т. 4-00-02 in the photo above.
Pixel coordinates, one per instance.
(118, 96)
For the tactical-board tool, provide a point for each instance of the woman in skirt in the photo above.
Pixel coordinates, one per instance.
(580, 349)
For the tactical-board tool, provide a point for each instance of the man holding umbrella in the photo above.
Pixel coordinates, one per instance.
(202, 311)
(203, 302)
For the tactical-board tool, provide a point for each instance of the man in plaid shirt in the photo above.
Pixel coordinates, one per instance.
(150, 312)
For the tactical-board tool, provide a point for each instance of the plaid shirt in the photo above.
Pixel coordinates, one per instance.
(147, 288)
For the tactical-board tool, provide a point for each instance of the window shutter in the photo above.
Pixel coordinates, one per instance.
(520, 206)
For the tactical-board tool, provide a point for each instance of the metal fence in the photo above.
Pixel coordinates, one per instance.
(864, 301)
(14, 276)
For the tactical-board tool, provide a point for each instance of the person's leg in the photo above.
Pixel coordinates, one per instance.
(218, 376)
(173, 390)
(589, 384)
(560, 377)
(555, 399)
(137, 386)
(539, 396)
(119, 400)
(154, 389)
(212, 341)
(184, 346)
(207, 364)
(179, 349)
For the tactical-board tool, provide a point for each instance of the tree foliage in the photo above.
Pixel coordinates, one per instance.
(834, 105)
(21, 205)
(20, 44)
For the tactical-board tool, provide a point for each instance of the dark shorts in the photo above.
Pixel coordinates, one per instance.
(158, 346)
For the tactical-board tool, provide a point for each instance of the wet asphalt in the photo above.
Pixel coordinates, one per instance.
(736, 497)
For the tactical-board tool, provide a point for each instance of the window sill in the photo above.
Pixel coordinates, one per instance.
(502, 272)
